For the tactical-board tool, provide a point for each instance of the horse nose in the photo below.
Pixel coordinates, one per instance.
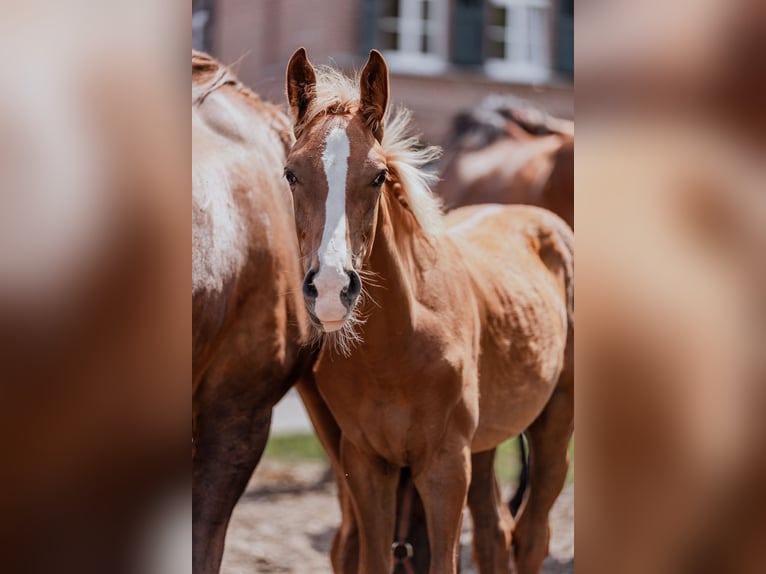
(351, 291)
(309, 289)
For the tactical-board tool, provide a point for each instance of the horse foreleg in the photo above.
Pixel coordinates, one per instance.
(443, 486)
(548, 464)
(492, 522)
(229, 438)
(344, 554)
(372, 483)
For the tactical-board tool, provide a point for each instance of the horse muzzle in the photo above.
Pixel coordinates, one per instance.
(330, 296)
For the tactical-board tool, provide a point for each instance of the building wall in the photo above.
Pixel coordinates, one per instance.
(259, 37)
(262, 35)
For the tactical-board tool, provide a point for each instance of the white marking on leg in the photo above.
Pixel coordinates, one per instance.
(333, 250)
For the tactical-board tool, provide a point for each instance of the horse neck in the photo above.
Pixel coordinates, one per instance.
(399, 255)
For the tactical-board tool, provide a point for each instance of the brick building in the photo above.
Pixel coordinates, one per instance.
(444, 55)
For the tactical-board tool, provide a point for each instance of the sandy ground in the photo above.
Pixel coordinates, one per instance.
(286, 520)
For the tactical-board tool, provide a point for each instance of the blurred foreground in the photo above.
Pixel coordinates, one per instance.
(94, 304)
(670, 200)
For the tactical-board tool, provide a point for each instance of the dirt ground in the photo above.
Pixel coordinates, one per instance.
(286, 520)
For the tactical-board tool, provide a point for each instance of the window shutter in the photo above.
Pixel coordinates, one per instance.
(565, 40)
(369, 25)
(202, 14)
(468, 33)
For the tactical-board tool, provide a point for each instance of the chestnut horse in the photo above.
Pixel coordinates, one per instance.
(445, 335)
(508, 151)
(248, 320)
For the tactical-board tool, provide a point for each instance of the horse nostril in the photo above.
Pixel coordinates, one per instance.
(349, 293)
(355, 283)
(309, 289)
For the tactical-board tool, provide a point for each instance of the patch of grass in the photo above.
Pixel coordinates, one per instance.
(508, 461)
(305, 447)
(299, 447)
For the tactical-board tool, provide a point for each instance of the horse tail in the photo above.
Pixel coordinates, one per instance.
(557, 253)
(567, 238)
(515, 503)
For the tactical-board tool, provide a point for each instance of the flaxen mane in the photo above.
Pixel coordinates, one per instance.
(208, 75)
(336, 93)
(478, 128)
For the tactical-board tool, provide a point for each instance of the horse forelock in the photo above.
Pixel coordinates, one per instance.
(338, 94)
(334, 94)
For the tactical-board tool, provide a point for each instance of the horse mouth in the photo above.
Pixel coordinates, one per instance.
(326, 326)
(330, 326)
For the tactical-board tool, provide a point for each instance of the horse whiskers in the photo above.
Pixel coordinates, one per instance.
(372, 277)
(364, 295)
(347, 337)
(344, 340)
(371, 283)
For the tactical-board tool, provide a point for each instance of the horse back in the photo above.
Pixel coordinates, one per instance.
(535, 170)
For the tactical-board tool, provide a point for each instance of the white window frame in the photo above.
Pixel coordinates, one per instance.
(519, 33)
(409, 27)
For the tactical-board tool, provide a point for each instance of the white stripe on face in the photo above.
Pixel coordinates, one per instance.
(333, 251)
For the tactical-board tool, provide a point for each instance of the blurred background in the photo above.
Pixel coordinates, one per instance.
(444, 55)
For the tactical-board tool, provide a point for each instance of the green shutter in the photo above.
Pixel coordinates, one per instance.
(369, 26)
(468, 33)
(565, 40)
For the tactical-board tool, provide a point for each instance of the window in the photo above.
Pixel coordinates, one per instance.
(201, 11)
(412, 34)
(519, 39)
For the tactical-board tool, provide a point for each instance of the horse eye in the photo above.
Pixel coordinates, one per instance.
(380, 179)
(290, 177)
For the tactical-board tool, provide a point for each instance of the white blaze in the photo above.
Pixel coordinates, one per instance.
(333, 251)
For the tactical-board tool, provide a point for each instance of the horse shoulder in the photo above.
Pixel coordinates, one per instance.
(244, 249)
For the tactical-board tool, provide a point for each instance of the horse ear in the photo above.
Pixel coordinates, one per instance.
(374, 93)
(301, 85)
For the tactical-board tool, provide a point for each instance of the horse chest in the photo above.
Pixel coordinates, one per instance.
(395, 417)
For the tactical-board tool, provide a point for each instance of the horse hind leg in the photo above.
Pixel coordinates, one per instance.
(550, 433)
(412, 527)
(549, 437)
(492, 522)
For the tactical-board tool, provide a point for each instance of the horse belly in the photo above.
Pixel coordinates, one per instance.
(521, 360)
(508, 411)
